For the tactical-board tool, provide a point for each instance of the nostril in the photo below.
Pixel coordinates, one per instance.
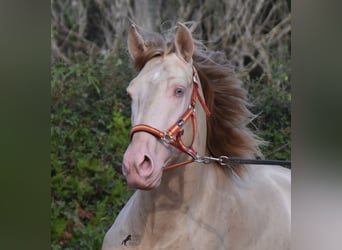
(146, 159)
(146, 166)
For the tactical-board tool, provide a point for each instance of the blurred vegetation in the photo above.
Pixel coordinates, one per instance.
(271, 102)
(90, 111)
(89, 132)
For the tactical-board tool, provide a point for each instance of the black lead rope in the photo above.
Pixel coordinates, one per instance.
(229, 161)
(237, 161)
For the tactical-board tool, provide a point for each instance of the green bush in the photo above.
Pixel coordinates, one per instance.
(89, 133)
(271, 99)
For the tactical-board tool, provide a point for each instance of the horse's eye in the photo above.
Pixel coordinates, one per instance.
(179, 91)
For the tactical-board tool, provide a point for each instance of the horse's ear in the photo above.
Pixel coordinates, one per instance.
(136, 44)
(184, 43)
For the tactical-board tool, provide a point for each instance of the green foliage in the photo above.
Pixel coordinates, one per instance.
(271, 99)
(89, 134)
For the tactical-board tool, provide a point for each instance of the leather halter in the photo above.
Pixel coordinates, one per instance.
(173, 135)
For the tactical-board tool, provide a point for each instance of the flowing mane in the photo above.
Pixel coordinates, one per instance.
(228, 133)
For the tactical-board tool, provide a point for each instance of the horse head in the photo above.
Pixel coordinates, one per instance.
(160, 94)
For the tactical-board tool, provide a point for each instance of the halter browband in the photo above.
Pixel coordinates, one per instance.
(173, 135)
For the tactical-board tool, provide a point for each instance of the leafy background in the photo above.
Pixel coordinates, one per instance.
(90, 116)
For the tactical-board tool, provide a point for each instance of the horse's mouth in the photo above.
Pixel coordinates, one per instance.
(137, 181)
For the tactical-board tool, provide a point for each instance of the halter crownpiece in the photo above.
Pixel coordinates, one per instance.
(173, 135)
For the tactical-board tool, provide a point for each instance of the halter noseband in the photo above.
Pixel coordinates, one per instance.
(173, 135)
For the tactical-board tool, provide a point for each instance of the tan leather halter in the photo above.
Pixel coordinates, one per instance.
(173, 135)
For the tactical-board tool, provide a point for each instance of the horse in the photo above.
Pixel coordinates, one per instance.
(188, 108)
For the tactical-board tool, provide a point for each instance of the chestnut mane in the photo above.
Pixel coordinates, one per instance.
(227, 133)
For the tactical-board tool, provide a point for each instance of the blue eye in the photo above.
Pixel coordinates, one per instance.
(179, 91)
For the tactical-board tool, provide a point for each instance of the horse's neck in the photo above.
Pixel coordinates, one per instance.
(185, 197)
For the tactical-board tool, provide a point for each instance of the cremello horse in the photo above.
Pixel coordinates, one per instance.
(186, 104)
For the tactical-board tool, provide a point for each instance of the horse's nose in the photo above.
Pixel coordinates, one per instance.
(137, 162)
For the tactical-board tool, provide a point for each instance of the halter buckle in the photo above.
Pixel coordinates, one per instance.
(195, 77)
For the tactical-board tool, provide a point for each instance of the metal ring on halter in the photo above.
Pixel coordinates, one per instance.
(166, 138)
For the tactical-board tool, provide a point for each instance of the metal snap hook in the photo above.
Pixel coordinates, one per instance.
(205, 159)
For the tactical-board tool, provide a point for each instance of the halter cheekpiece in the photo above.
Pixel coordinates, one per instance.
(173, 135)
